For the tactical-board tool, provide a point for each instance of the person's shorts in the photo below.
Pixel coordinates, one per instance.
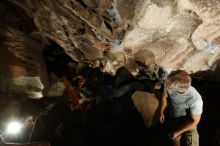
(191, 138)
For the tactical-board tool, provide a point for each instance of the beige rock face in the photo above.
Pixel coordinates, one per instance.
(148, 106)
(182, 34)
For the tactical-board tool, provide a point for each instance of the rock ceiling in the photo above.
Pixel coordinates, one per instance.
(181, 34)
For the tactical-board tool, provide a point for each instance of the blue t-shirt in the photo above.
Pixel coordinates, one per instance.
(180, 104)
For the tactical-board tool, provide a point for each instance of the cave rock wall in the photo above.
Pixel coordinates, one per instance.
(182, 34)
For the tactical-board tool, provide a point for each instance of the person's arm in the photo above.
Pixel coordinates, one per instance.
(163, 106)
(192, 123)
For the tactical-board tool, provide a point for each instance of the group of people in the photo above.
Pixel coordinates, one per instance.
(95, 84)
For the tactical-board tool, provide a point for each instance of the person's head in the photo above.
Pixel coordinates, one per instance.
(178, 80)
(79, 81)
(96, 64)
(106, 68)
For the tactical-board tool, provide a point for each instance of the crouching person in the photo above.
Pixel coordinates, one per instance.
(185, 108)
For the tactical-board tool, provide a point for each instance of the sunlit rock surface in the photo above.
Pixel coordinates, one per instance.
(181, 34)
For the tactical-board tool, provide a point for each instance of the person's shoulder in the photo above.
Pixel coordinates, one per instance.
(194, 92)
(192, 89)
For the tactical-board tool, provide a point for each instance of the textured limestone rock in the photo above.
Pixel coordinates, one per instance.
(57, 89)
(22, 68)
(83, 28)
(181, 34)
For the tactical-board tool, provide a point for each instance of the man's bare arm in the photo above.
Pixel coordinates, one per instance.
(163, 106)
(190, 124)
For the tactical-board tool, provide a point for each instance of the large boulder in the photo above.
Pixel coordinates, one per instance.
(148, 106)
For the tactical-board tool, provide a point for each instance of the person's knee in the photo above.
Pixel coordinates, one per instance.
(176, 141)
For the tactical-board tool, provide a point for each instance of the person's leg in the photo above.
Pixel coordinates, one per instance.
(123, 89)
(122, 75)
(104, 94)
(191, 138)
(172, 125)
(176, 142)
(149, 85)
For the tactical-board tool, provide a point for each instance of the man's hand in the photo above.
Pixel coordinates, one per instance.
(162, 118)
(157, 86)
(190, 124)
(175, 135)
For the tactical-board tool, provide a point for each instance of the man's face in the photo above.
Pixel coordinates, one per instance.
(96, 64)
(171, 87)
(105, 68)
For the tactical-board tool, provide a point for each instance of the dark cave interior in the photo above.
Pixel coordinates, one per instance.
(119, 123)
(113, 123)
